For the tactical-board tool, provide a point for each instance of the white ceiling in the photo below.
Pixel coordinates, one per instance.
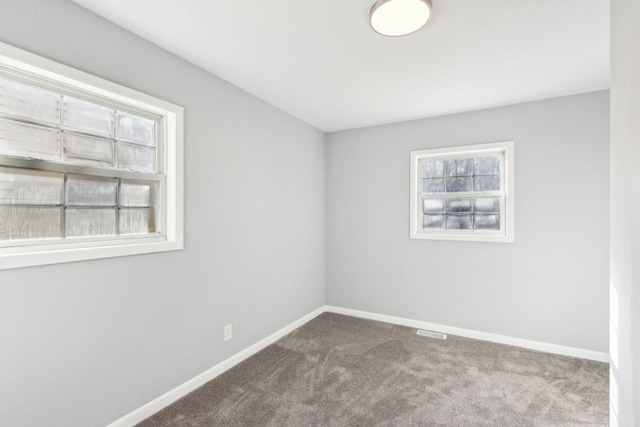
(320, 61)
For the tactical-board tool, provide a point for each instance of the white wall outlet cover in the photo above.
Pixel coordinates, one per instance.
(228, 333)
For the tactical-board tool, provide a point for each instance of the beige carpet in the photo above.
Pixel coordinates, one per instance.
(343, 371)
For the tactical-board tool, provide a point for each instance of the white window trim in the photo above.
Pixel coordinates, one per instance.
(20, 61)
(507, 235)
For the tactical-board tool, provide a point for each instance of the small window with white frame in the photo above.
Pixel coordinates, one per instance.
(88, 169)
(463, 193)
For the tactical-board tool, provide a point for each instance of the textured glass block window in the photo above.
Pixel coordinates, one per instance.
(90, 222)
(82, 190)
(135, 158)
(88, 117)
(462, 192)
(136, 221)
(25, 102)
(30, 222)
(461, 175)
(29, 141)
(136, 129)
(29, 187)
(87, 150)
(470, 175)
(97, 173)
(137, 194)
(87, 205)
(89, 169)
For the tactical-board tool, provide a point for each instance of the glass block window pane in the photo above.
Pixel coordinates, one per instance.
(91, 191)
(136, 129)
(135, 158)
(88, 117)
(431, 168)
(486, 183)
(459, 205)
(486, 166)
(136, 194)
(29, 103)
(30, 141)
(487, 222)
(137, 221)
(30, 222)
(433, 221)
(459, 167)
(88, 150)
(459, 222)
(487, 205)
(26, 187)
(459, 184)
(433, 185)
(90, 222)
(433, 205)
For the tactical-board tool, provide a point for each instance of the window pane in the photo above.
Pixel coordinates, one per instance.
(90, 191)
(487, 204)
(24, 187)
(136, 221)
(136, 129)
(36, 142)
(29, 103)
(433, 205)
(87, 150)
(136, 194)
(458, 184)
(432, 168)
(486, 183)
(459, 167)
(135, 158)
(487, 222)
(433, 221)
(22, 223)
(459, 205)
(486, 165)
(433, 185)
(88, 117)
(90, 222)
(458, 222)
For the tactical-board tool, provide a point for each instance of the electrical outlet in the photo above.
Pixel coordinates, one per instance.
(227, 332)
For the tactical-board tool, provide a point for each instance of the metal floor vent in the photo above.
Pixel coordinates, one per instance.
(431, 334)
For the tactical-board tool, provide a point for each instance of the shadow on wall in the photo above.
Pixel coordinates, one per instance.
(620, 325)
(614, 349)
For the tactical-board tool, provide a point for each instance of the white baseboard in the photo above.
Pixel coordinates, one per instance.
(468, 333)
(182, 390)
(171, 396)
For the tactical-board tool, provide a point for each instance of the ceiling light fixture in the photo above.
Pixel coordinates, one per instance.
(396, 18)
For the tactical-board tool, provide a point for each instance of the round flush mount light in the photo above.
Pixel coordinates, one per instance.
(396, 18)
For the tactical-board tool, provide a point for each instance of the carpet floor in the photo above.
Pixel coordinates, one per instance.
(344, 371)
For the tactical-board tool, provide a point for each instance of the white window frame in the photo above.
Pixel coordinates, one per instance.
(506, 233)
(25, 64)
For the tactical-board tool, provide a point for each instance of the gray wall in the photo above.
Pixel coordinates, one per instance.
(625, 211)
(551, 285)
(85, 343)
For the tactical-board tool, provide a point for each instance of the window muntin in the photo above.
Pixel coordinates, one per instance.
(463, 193)
(88, 169)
